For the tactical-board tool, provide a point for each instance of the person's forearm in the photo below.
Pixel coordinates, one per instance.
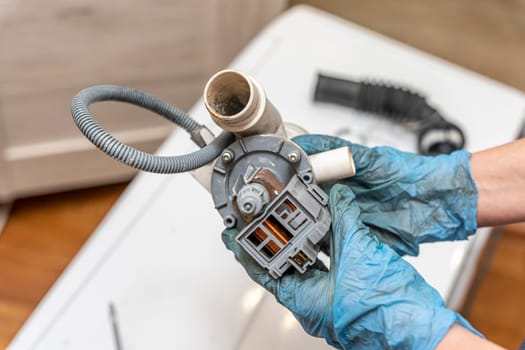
(499, 174)
(458, 337)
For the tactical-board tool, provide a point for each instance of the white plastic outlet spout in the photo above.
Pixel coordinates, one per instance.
(333, 165)
(237, 103)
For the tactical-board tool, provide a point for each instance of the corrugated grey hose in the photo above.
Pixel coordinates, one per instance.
(129, 155)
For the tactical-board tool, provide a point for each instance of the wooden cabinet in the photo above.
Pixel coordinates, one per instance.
(50, 50)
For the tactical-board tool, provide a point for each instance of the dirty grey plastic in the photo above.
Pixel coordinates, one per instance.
(301, 210)
(289, 225)
(252, 198)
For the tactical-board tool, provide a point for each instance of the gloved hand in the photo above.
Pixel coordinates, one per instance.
(370, 298)
(407, 199)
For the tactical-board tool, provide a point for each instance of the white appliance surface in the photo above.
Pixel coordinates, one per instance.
(158, 256)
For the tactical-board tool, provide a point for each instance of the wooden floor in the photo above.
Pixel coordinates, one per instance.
(40, 238)
(499, 304)
(44, 233)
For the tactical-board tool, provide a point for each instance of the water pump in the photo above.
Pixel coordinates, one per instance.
(262, 183)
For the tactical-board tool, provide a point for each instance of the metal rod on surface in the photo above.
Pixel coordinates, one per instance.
(114, 326)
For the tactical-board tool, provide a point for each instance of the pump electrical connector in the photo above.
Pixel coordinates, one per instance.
(264, 186)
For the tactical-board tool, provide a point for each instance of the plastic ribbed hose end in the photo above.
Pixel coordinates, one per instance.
(440, 138)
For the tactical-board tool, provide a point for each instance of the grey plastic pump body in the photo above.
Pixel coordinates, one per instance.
(263, 184)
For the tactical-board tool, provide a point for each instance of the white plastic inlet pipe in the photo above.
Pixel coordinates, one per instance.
(238, 103)
(333, 165)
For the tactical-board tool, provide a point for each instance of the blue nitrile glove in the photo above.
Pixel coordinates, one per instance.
(370, 298)
(405, 198)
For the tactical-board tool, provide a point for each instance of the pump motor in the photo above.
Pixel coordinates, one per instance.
(261, 182)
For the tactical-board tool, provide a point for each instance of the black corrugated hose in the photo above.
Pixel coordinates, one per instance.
(435, 134)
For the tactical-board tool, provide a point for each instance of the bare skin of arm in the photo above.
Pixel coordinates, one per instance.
(458, 337)
(499, 174)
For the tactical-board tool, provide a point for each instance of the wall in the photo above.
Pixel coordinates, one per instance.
(49, 51)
